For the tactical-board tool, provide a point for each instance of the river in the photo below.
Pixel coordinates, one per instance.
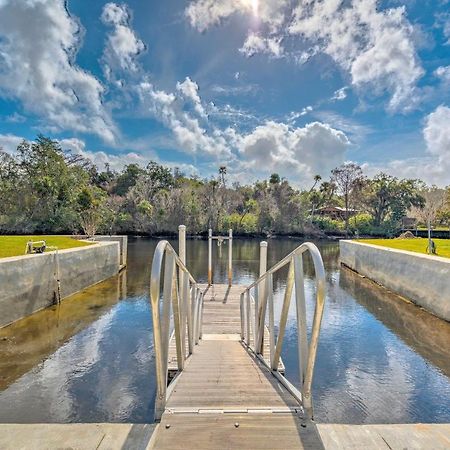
(90, 359)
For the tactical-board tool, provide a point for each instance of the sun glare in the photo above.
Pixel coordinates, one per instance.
(251, 4)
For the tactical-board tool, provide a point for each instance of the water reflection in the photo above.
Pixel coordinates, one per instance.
(91, 358)
(27, 342)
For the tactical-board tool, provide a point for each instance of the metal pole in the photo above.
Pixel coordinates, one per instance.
(209, 257)
(183, 289)
(261, 287)
(262, 258)
(230, 258)
(182, 243)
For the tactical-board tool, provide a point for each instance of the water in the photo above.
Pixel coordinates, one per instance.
(380, 360)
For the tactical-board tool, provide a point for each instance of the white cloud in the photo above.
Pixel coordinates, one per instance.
(242, 89)
(375, 47)
(256, 43)
(190, 135)
(123, 46)
(297, 153)
(340, 94)
(38, 45)
(100, 158)
(189, 89)
(16, 118)
(446, 28)
(443, 72)
(433, 167)
(294, 115)
(202, 14)
(9, 142)
(437, 135)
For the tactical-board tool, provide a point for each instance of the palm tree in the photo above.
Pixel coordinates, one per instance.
(317, 178)
(222, 173)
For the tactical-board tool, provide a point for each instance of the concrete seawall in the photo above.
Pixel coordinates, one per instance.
(122, 240)
(28, 283)
(423, 279)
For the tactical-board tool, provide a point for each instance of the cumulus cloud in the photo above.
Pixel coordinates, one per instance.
(38, 44)
(437, 135)
(256, 43)
(189, 89)
(9, 142)
(191, 137)
(101, 158)
(123, 46)
(433, 166)
(443, 73)
(299, 153)
(375, 47)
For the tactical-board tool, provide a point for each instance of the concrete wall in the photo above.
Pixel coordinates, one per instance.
(423, 279)
(28, 283)
(122, 240)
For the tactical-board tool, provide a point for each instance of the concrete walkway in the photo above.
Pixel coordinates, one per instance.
(103, 436)
(76, 436)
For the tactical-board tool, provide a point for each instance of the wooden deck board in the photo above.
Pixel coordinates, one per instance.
(223, 374)
(223, 383)
(219, 432)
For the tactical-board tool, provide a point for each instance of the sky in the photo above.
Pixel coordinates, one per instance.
(295, 87)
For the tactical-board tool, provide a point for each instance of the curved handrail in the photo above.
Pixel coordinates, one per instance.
(263, 290)
(181, 294)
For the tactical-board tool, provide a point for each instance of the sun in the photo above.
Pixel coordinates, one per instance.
(255, 4)
(251, 4)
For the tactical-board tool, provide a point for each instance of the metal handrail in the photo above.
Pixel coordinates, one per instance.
(253, 319)
(180, 293)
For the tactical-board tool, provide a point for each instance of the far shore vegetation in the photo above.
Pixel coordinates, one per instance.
(45, 189)
(417, 245)
(16, 245)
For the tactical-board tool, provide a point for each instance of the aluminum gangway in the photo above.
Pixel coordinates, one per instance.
(228, 390)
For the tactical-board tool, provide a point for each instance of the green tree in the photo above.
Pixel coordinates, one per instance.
(386, 197)
(347, 179)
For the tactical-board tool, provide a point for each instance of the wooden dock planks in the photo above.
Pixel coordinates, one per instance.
(224, 385)
(222, 374)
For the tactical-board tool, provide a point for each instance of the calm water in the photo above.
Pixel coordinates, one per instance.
(380, 359)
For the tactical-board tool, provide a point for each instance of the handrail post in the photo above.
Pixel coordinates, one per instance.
(182, 243)
(307, 348)
(230, 257)
(262, 297)
(210, 257)
(302, 339)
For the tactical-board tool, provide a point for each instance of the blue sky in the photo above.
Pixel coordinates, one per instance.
(289, 86)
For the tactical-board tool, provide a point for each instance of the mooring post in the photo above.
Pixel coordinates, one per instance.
(230, 257)
(262, 258)
(210, 257)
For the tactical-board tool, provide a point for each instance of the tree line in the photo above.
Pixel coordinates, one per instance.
(45, 189)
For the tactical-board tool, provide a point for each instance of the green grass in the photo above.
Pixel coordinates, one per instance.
(15, 245)
(418, 245)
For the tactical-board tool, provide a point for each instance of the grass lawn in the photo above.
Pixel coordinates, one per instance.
(418, 245)
(15, 245)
